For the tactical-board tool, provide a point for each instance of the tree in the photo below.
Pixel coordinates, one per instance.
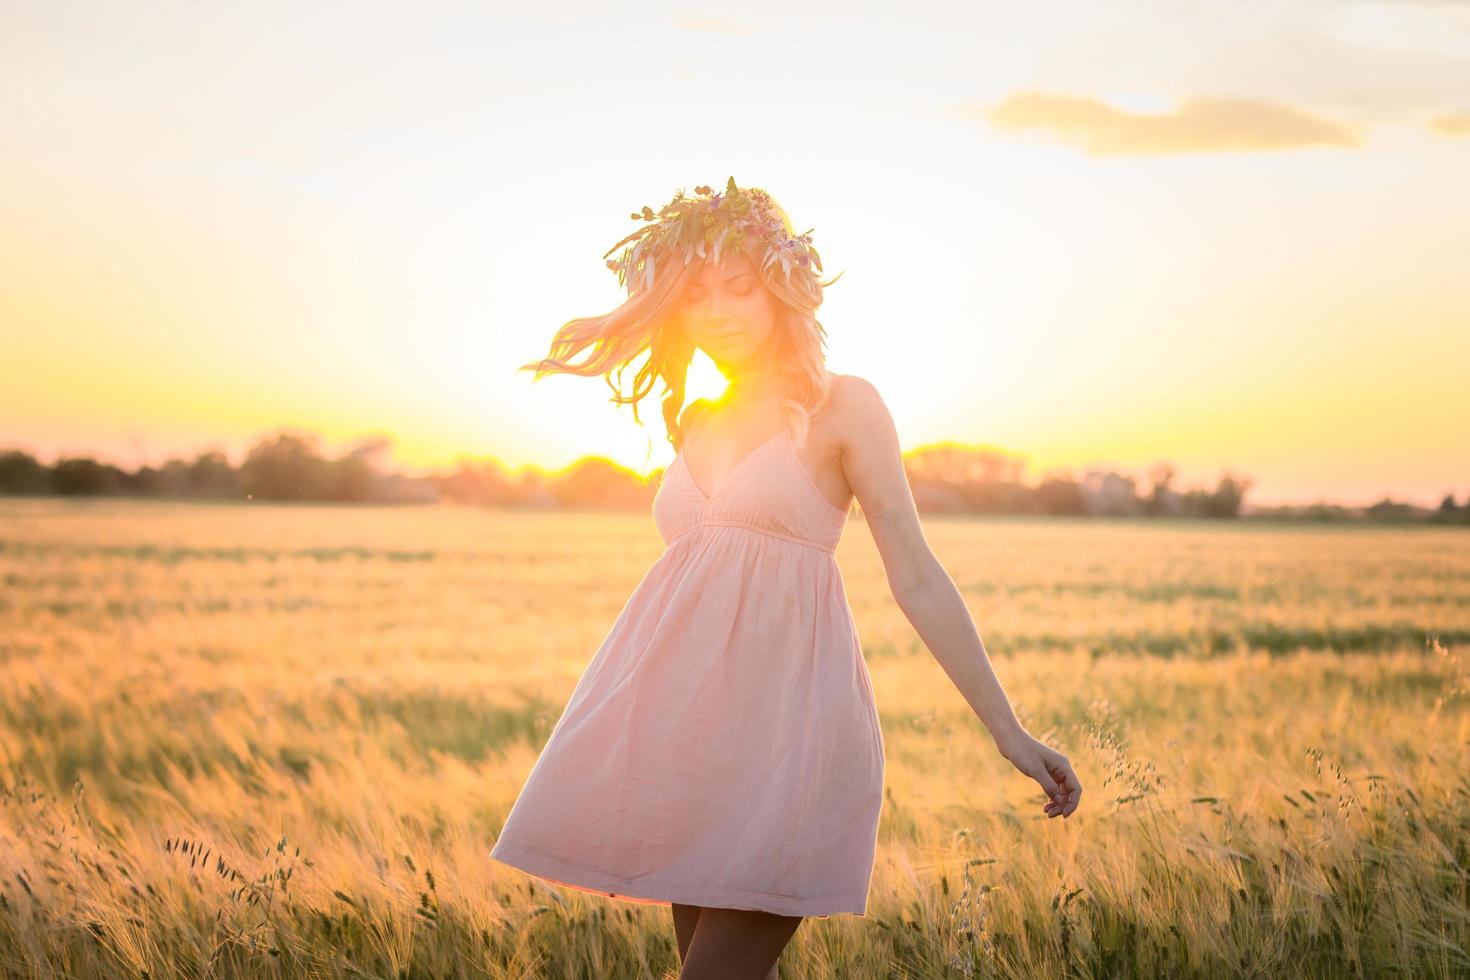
(1060, 494)
(85, 477)
(211, 475)
(20, 472)
(1228, 496)
(1161, 498)
(287, 467)
(356, 474)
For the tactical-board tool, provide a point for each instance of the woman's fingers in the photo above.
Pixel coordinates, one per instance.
(1041, 772)
(1053, 773)
(1061, 785)
(1048, 785)
(1071, 788)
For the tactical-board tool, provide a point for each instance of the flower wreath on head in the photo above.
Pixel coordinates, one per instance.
(704, 225)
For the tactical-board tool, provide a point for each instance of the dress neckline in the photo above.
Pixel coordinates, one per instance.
(735, 470)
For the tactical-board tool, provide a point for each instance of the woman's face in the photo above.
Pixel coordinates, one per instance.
(728, 312)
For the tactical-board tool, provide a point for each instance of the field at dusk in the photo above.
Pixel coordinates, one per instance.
(279, 740)
(360, 365)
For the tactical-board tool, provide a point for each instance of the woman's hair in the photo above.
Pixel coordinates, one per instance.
(647, 320)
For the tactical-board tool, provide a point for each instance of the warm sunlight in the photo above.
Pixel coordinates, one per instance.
(734, 491)
(1083, 269)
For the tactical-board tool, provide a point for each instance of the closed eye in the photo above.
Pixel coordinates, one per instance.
(740, 289)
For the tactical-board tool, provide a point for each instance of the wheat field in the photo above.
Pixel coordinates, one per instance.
(278, 741)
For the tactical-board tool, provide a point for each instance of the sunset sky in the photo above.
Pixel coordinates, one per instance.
(1229, 236)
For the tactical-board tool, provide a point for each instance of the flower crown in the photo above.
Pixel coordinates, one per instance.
(704, 225)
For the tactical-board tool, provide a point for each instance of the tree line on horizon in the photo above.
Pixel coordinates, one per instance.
(945, 478)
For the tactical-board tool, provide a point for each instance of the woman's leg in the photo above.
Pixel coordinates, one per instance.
(736, 944)
(686, 917)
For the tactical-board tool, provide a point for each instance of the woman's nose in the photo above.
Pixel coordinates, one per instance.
(711, 306)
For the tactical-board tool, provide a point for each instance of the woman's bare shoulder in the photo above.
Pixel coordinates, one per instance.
(853, 401)
(856, 415)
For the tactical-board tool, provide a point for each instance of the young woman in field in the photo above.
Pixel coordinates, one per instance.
(721, 753)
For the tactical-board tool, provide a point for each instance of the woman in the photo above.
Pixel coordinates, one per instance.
(721, 752)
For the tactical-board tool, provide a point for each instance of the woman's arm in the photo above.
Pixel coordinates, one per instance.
(873, 465)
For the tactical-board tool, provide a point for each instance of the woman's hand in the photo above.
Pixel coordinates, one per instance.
(1049, 768)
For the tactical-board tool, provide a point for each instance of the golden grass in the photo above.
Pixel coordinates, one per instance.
(279, 741)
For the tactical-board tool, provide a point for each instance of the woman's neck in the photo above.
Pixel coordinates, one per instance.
(750, 390)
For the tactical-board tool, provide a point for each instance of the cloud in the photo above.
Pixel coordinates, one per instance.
(1452, 124)
(1200, 125)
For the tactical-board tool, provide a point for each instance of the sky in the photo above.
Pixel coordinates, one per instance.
(1231, 237)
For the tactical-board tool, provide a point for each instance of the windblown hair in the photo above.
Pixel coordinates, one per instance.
(648, 321)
